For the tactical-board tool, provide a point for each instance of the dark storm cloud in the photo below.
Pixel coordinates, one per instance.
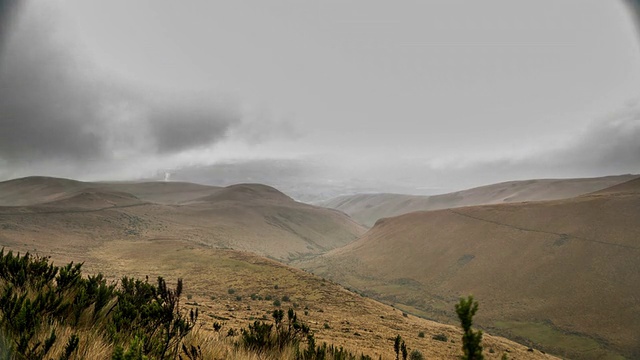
(52, 106)
(45, 109)
(608, 146)
(187, 124)
(7, 9)
(634, 8)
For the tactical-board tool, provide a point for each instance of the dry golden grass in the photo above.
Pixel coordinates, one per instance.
(359, 324)
(561, 274)
(249, 217)
(355, 322)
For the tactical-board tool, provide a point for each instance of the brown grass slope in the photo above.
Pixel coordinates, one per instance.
(355, 322)
(561, 274)
(36, 189)
(368, 208)
(160, 192)
(244, 192)
(249, 217)
(90, 199)
(40, 189)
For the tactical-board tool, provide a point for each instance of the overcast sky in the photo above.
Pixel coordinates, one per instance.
(485, 91)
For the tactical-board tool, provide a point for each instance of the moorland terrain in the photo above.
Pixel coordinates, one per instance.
(561, 274)
(536, 267)
(367, 208)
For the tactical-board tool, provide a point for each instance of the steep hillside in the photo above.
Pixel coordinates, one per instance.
(561, 274)
(368, 208)
(248, 217)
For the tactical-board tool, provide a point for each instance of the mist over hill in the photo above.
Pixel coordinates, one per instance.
(369, 208)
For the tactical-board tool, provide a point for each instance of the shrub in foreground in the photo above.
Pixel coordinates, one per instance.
(471, 340)
(39, 301)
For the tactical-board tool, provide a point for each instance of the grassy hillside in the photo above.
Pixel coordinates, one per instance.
(232, 289)
(249, 217)
(368, 208)
(39, 189)
(560, 274)
(36, 190)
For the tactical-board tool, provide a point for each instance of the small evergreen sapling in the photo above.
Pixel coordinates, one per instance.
(471, 340)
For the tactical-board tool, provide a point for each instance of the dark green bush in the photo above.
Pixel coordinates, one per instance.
(217, 326)
(34, 294)
(471, 340)
(440, 337)
(262, 337)
(258, 337)
(324, 352)
(416, 355)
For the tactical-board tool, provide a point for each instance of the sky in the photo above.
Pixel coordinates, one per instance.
(427, 94)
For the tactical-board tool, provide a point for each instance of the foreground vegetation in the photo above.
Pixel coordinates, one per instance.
(52, 312)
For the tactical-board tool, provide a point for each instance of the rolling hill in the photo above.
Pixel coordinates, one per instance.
(559, 274)
(368, 208)
(36, 189)
(118, 233)
(249, 217)
(39, 189)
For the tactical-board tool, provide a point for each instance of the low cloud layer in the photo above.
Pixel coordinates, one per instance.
(54, 107)
(606, 147)
(609, 146)
(59, 116)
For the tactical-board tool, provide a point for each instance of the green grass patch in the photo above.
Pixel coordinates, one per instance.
(557, 341)
(411, 310)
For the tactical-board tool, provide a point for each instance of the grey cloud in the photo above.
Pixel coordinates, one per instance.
(189, 124)
(44, 108)
(7, 10)
(260, 125)
(53, 106)
(634, 8)
(606, 147)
